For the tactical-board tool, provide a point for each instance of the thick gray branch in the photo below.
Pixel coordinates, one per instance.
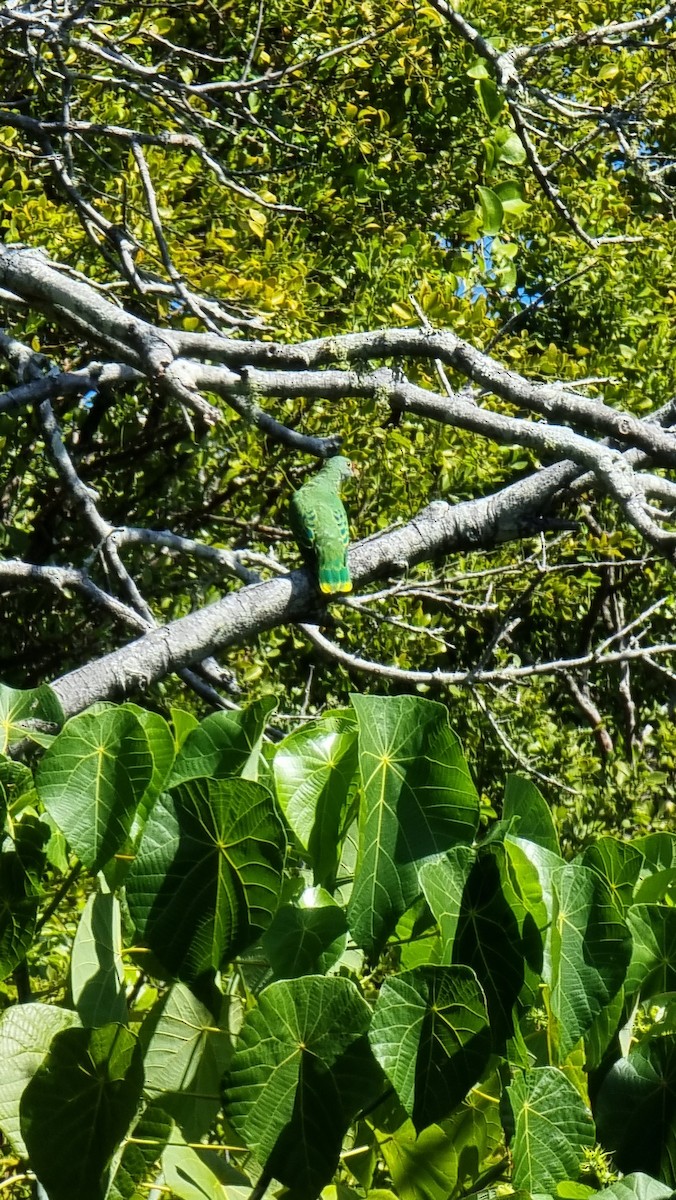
(239, 617)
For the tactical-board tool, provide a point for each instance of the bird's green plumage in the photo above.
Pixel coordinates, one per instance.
(319, 523)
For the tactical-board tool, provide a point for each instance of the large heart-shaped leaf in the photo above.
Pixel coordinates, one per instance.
(552, 1128)
(445, 1159)
(96, 969)
(493, 936)
(430, 1035)
(423, 1166)
(92, 779)
(418, 801)
(162, 751)
(314, 771)
(300, 1073)
(526, 861)
(443, 882)
(598, 1038)
(26, 1032)
(533, 868)
(187, 1049)
(34, 714)
(206, 881)
(590, 952)
(527, 808)
(619, 863)
(21, 864)
(306, 938)
(652, 969)
(636, 1110)
(77, 1108)
(223, 744)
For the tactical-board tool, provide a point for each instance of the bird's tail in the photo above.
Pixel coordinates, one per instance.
(334, 579)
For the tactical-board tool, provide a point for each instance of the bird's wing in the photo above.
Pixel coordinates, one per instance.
(331, 546)
(319, 524)
(304, 518)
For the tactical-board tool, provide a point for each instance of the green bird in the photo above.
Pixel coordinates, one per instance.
(319, 523)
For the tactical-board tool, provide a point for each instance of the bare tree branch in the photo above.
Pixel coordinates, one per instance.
(437, 530)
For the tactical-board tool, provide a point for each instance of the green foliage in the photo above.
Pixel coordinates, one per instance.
(26, 1033)
(217, 998)
(222, 743)
(637, 1108)
(96, 970)
(314, 770)
(590, 949)
(306, 938)
(186, 1050)
(552, 1128)
(21, 712)
(22, 861)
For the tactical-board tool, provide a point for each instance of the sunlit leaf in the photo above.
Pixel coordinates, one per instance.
(492, 212)
(552, 1128)
(491, 100)
(525, 806)
(223, 744)
(306, 938)
(418, 801)
(92, 779)
(96, 969)
(443, 882)
(314, 771)
(490, 937)
(186, 1051)
(620, 864)
(35, 714)
(26, 1032)
(590, 952)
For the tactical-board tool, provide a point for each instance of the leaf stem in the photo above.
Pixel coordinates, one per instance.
(58, 896)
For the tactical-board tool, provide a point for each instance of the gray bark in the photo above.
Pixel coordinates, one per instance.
(240, 616)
